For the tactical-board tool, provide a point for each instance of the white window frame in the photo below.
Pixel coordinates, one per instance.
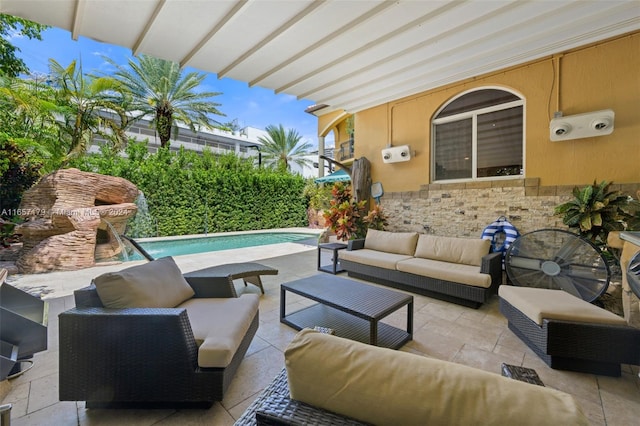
(474, 134)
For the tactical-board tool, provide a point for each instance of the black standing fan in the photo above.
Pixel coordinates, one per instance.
(560, 260)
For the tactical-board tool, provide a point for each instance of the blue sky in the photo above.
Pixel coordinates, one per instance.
(252, 106)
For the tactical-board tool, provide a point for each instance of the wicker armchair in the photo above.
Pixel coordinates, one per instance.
(140, 356)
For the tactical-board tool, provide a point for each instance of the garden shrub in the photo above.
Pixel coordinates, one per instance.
(190, 193)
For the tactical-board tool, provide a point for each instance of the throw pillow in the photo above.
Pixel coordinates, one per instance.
(157, 284)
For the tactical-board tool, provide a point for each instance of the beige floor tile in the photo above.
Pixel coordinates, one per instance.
(475, 337)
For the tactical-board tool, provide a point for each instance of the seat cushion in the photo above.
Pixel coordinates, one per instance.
(369, 257)
(541, 303)
(219, 325)
(391, 242)
(156, 284)
(467, 251)
(455, 272)
(386, 387)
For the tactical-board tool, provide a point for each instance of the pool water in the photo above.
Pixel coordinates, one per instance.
(179, 247)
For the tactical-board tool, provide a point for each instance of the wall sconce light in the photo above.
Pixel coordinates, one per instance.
(590, 124)
(396, 154)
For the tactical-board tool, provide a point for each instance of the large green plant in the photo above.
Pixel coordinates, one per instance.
(595, 211)
(283, 147)
(349, 219)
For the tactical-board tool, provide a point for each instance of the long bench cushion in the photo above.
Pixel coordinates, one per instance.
(541, 303)
(455, 272)
(467, 251)
(156, 284)
(219, 325)
(386, 387)
(370, 257)
(391, 242)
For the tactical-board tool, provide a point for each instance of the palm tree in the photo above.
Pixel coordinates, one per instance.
(281, 148)
(159, 88)
(81, 100)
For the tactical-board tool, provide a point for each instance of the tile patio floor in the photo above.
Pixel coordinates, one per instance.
(479, 338)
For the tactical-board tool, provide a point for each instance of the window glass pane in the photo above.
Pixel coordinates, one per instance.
(453, 149)
(499, 138)
(477, 100)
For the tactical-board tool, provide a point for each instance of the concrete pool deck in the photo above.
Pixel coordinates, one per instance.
(63, 283)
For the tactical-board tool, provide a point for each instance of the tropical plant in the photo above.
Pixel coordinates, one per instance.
(10, 64)
(345, 216)
(376, 218)
(595, 211)
(159, 88)
(319, 196)
(282, 147)
(84, 103)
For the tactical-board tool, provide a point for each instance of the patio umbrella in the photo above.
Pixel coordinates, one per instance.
(337, 176)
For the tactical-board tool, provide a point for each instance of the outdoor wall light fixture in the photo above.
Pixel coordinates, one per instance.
(396, 154)
(587, 125)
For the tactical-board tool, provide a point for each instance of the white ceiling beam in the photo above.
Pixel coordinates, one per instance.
(437, 38)
(233, 13)
(268, 39)
(340, 31)
(135, 49)
(78, 13)
(372, 44)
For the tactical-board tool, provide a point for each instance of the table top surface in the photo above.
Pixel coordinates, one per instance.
(332, 246)
(349, 296)
(233, 269)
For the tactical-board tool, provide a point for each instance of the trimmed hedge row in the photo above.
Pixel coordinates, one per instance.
(191, 193)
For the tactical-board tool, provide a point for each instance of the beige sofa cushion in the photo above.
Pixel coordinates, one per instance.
(157, 284)
(455, 272)
(387, 387)
(369, 257)
(468, 251)
(219, 325)
(391, 242)
(541, 303)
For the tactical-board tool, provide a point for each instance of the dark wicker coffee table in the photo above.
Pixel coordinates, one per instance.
(351, 308)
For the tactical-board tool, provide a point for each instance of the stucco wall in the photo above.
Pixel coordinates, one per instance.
(588, 79)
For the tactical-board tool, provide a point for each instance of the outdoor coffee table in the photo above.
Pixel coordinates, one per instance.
(352, 309)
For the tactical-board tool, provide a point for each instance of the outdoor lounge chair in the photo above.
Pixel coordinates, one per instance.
(182, 354)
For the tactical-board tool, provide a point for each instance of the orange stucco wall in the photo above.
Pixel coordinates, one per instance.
(605, 75)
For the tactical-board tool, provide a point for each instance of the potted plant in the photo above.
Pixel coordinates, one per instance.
(344, 216)
(595, 211)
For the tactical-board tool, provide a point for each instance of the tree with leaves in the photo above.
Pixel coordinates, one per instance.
(160, 89)
(85, 103)
(10, 64)
(282, 147)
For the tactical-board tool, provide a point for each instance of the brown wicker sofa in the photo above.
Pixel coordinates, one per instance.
(133, 340)
(458, 270)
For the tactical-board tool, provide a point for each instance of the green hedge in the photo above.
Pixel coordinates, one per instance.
(190, 193)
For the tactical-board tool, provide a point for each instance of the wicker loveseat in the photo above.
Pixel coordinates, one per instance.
(145, 336)
(364, 384)
(459, 270)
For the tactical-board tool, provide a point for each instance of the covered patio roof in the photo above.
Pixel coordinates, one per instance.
(348, 55)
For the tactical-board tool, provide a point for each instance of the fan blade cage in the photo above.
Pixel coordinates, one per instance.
(559, 260)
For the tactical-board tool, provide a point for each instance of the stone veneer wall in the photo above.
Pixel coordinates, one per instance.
(465, 209)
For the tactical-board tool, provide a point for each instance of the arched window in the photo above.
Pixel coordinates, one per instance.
(479, 135)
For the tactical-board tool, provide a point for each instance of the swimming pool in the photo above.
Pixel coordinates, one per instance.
(182, 246)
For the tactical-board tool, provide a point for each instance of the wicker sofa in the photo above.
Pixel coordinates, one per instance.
(458, 270)
(569, 333)
(147, 337)
(363, 384)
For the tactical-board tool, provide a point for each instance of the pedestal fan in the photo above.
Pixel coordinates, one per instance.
(558, 259)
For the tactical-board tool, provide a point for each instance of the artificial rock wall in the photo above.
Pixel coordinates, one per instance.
(66, 215)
